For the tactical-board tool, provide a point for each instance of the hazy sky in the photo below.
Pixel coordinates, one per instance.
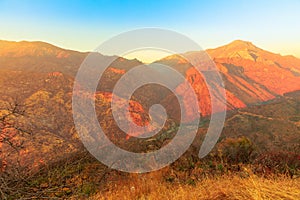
(83, 25)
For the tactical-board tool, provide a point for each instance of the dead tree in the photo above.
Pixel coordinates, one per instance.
(11, 130)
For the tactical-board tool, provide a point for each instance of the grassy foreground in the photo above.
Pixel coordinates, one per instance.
(83, 177)
(222, 187)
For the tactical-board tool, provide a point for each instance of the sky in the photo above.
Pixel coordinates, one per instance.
(83, 25)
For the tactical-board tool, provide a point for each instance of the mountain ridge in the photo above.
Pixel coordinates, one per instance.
(233, 44)
(37, 43)
(251, 74)
(243, 44)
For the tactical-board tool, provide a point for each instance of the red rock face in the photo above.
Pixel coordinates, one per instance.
(200, 86)
(277, 74)
(117, 71)
(55, 74)
(137, 112)
(197, 82)
(251, 75)
(275, 78)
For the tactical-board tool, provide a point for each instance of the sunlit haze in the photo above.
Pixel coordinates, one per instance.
(147, 55)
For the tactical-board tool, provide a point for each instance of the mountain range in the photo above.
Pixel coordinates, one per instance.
(41, 76)
(251, 74)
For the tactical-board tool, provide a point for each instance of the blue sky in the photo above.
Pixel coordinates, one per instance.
(83, 25)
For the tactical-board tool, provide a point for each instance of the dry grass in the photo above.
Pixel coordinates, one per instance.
(151, 186)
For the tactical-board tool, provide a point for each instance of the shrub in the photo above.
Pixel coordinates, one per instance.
(236, 150)
(279, 162)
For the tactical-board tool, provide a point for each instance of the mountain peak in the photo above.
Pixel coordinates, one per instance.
(241, 44)
(236, 49)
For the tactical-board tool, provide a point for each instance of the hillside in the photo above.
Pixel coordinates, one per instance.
(247, 80)
(279, 74)
(40, 76)
(262, 101)
(44, 57)
(251, 75)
